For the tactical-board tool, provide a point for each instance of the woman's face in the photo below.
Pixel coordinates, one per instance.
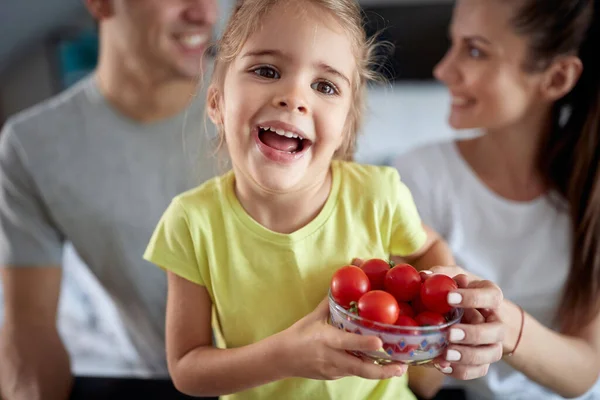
(484, 68)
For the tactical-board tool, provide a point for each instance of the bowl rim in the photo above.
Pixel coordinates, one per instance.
(374, 324)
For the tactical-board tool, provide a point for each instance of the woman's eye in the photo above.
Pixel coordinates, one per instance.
(475, 52)
(266, 72)
(324, 87)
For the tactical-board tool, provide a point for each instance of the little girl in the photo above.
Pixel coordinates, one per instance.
(255, 249)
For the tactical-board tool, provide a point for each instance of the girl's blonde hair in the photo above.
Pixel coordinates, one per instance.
(245, 20)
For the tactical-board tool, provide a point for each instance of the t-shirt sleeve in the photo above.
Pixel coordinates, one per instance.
(28, 235)
(408, 234)
(172, 247)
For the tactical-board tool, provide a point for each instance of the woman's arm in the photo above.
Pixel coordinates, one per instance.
(310, 348)
(567, 365)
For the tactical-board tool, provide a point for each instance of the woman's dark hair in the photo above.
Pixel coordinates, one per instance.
(570, 153)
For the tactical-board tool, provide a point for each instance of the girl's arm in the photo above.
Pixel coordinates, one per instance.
(310, 348)
(433, 253)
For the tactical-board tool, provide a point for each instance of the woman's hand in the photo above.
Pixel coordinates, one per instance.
(313, 349)
(476, 342)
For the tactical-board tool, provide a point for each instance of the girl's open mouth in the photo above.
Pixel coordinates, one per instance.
(280, 144)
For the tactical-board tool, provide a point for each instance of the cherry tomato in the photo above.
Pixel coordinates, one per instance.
(406, 309)
(348, 284)
(378, 306)
(417, 305)
(404, 320)
(376, 269)
(429, 318)
(403, 282)
(434, 293)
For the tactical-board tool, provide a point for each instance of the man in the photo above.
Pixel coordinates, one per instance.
(97, 166)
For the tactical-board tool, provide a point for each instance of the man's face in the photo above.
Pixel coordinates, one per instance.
(169, 36)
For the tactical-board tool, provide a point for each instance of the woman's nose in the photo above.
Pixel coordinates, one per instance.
(445, 71)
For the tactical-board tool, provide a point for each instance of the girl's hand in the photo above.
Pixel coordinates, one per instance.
(311, 348)
(476, 342)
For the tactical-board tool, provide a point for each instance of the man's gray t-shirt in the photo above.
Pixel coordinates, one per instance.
(74, 169)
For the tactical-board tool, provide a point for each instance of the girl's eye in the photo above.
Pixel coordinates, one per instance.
(266, 72)
(324, 87)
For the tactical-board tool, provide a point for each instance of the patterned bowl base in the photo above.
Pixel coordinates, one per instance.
(408, 349)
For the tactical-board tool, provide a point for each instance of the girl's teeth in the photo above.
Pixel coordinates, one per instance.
(281, 132)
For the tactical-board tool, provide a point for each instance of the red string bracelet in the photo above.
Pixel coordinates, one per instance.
(520, 332)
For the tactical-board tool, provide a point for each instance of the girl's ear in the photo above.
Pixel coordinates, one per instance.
(214, 106)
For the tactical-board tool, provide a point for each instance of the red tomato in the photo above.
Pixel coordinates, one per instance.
(406, 309)
(430, 318)
(417, 305)
(404, 320)
(378, 306)
(348, 284)
(403, 282)
(434, 293)
(376, 269)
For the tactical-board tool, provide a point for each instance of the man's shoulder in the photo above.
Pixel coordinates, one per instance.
(51, 115)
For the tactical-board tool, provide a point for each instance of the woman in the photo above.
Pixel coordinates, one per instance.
(520, 204)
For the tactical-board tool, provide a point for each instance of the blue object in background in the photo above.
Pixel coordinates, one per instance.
(78, 56)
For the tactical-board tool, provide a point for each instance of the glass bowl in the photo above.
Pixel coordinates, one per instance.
(411, 345)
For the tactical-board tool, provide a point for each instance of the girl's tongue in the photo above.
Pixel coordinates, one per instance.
(279, 142)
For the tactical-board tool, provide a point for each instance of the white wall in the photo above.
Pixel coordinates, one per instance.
(403, 116)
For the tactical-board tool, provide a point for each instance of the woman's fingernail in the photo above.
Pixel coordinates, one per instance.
(454, 298)
(456, 335)
(400, 372)
(446, 370)
(453, 355)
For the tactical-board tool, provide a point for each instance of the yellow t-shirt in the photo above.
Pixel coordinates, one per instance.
(261, 282)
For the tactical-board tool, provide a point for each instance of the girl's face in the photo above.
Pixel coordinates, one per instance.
(286, 98)
(484, 68)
